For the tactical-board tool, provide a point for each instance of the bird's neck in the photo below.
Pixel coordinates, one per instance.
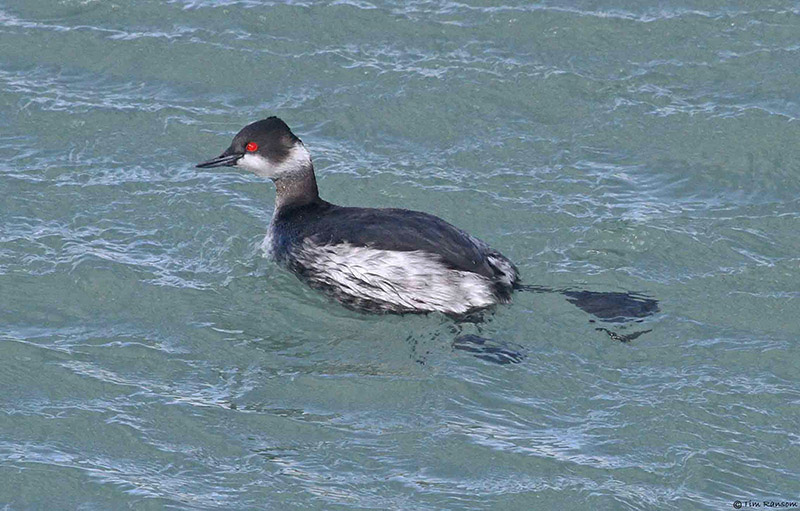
(297, 189)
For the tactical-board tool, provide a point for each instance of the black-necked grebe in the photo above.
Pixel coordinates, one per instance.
(374, 260)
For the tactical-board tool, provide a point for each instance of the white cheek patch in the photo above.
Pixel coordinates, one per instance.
(297, 161)
(257, 164)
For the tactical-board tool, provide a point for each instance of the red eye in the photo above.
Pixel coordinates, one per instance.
(251, 147)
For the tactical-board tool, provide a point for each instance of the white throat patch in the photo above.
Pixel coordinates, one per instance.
(297, 161)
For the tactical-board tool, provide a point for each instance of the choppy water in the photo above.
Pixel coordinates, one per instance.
(151, 358)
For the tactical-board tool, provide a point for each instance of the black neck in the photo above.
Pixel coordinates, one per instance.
(298, 189)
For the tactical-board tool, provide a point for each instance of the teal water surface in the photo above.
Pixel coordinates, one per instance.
(152, 358)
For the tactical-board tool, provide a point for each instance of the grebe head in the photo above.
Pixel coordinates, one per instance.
(268, 148)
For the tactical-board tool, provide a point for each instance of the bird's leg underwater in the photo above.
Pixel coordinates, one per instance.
(489, 350)
(610, 307)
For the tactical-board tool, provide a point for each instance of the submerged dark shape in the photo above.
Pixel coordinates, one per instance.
(608, 306)
(614, 307)
(497, 352)
(617, 308)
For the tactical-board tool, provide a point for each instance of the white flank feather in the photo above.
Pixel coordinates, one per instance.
(415, 281)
